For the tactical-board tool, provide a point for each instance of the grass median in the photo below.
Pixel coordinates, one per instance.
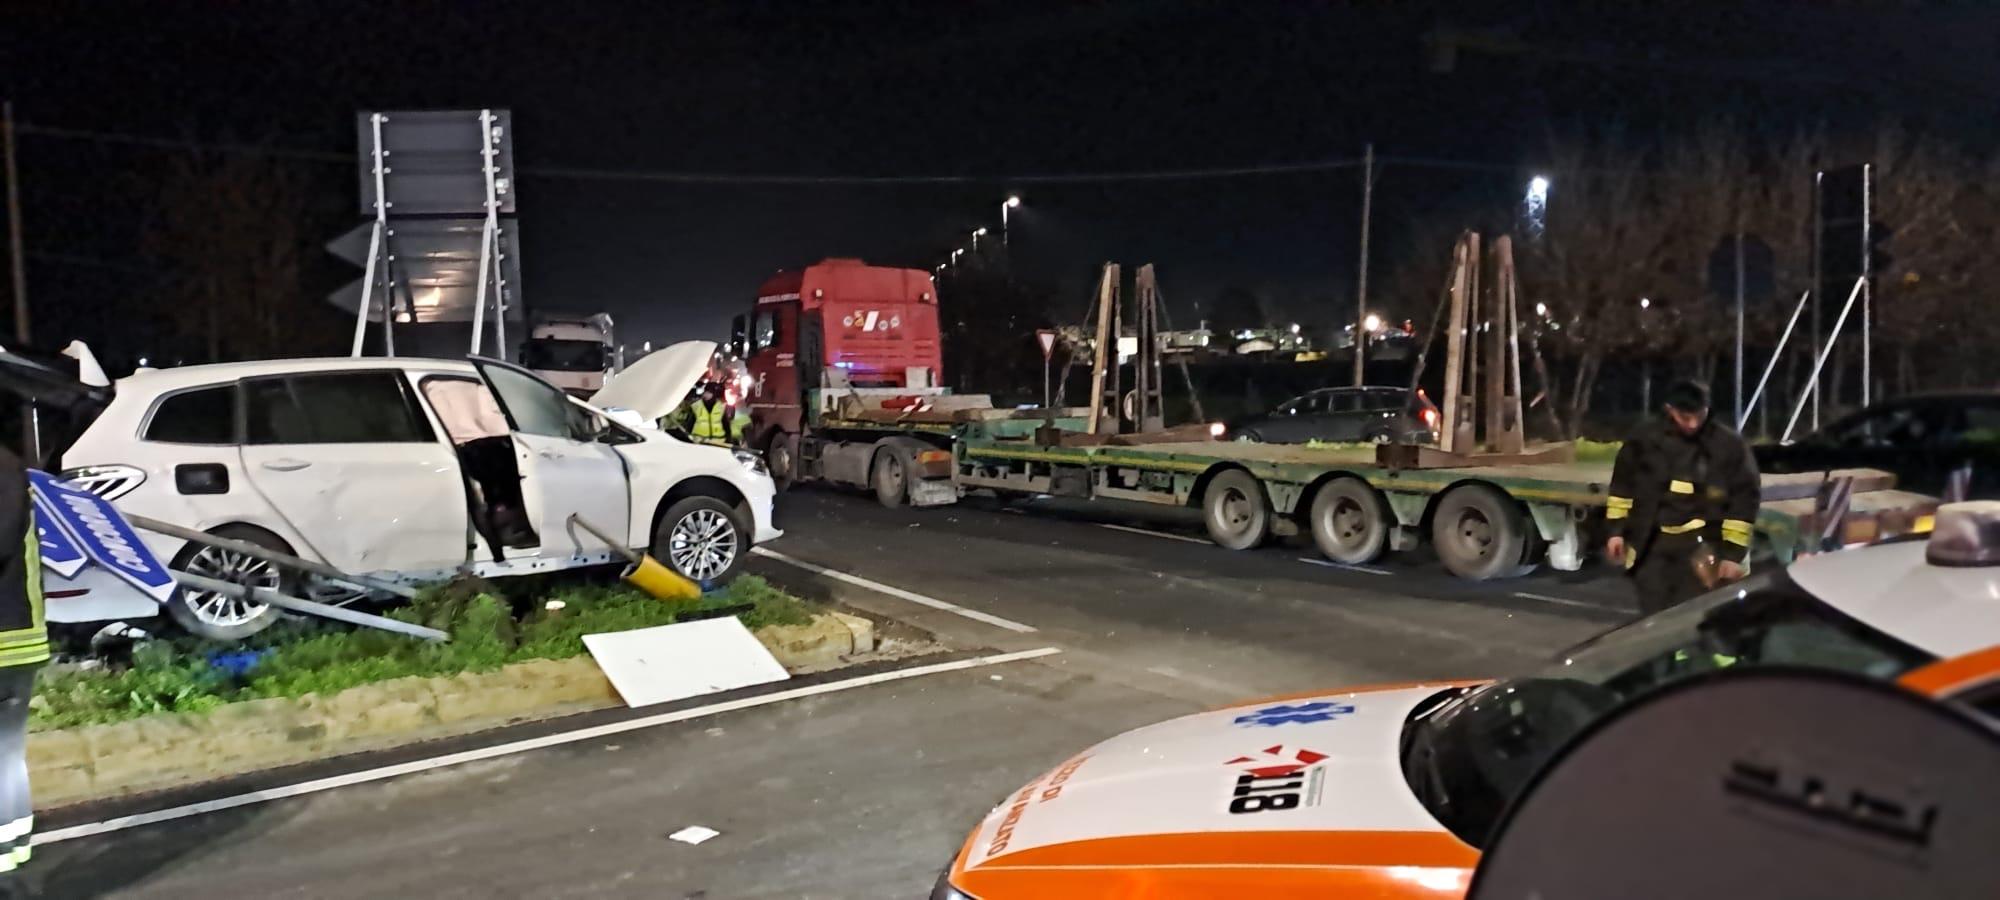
(298, 657)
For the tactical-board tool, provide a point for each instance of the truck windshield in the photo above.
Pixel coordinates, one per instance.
(555, 355)
(1467, 757)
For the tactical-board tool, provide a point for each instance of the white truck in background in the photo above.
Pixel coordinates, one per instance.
(574, 353)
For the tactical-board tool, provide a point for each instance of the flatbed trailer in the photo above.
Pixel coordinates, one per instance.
(1484, 522)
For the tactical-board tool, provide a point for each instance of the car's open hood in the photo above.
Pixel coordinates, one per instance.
(657, 384)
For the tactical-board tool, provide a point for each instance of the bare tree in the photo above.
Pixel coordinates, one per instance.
(234, 231)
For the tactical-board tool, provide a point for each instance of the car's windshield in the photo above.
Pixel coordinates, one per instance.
(556, 355)
(1466, 759)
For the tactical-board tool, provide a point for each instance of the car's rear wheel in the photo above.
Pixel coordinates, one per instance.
(702, 538)
(222, 618)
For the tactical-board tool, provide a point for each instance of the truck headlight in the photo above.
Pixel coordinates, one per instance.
(753, 462)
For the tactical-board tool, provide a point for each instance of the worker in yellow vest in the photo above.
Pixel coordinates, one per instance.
(24, 647)
(710, 419)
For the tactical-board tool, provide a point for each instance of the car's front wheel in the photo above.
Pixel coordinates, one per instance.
(702, 538)
(223, 618)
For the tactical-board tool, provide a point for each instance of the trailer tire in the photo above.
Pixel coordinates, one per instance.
(1350, 523)
(890, 478)
(216, 618)
(1237, 513)
(1480, 533)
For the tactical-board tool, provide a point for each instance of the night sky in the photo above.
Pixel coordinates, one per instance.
(976, 90)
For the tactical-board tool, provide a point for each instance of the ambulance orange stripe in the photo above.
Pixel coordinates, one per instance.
(1428, 849)
(1362, 689)
(1374, 882)
(1947, 676)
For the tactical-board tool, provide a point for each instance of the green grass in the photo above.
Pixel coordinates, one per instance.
(313, 657)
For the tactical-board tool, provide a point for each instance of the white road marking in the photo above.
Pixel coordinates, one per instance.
(1158, 534)
(1348, 566)
(596, 732)
(897, 592)
(1558, 600)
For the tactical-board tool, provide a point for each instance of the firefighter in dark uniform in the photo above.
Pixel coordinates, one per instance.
(24, 647)
(1684, 493)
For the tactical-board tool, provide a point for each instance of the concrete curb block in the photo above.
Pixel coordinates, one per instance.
(98, 762)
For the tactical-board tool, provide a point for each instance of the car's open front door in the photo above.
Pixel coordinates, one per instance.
(564, 470)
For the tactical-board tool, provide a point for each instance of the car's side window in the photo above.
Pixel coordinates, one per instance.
(201, 416)
(1343, 401)
(533, 406)
(332, 408)
(1982, 425)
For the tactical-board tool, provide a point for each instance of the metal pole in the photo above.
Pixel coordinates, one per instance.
(1361, 278)
(1818, 294)
(367, 288)
(375, 121)
(31, 443)
(1867, 273)
(1823, 354)
(1739, 324)
(272, 556)
(1045, 381)
(286, 601)
(1003, 224)
(486, 260)
(1776, 353)
(501, 350)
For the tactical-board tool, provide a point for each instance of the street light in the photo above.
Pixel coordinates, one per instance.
(1535, 206)
(975, 237)
(954, 255)
(1012, 201)
(1645, 303)
(1373, 323)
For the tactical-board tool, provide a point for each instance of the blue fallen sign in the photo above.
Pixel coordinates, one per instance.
(93, 526)
(59, 554)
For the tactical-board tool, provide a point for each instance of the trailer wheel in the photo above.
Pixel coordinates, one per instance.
(1235, 510)
(891, 479)
(219, 618)
(1349, 522)
(1479, 533)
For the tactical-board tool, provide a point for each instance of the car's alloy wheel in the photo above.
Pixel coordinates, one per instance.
(237, 568)
(703, 544)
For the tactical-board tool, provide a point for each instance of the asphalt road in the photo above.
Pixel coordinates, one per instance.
(862, 790)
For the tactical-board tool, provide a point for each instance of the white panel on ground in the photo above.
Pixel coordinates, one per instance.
(674, 662)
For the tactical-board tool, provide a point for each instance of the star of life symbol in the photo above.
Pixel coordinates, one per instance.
(1295, 714)
(1274, 762)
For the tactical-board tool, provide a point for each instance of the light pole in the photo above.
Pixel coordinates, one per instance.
(1012, 201)
(975, 239)
(954, 255)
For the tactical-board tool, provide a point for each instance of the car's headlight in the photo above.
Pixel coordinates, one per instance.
(753, 462)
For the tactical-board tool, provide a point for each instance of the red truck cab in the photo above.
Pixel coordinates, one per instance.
(837, 323)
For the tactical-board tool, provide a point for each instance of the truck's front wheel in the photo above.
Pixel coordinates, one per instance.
(781, 456)
(891, 478)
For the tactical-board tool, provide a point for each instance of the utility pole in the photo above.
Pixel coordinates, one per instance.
(1361, 279)
(14, 226)
(31, 443)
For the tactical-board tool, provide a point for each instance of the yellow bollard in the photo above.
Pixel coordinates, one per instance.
(655, 578)
(645, 573)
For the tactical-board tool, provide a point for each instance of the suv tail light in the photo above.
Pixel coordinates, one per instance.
(108, 482)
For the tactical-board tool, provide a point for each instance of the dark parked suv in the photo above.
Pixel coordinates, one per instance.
(1382, 415)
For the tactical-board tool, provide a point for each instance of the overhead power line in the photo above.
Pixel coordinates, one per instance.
(670, 177)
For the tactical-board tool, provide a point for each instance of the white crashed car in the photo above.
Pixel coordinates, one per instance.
(408, 469)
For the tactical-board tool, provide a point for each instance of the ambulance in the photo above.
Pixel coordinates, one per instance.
(1390, 791)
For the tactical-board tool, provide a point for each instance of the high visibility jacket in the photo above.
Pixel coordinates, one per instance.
(714, 422)
(1665, 482)
(24, 634)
